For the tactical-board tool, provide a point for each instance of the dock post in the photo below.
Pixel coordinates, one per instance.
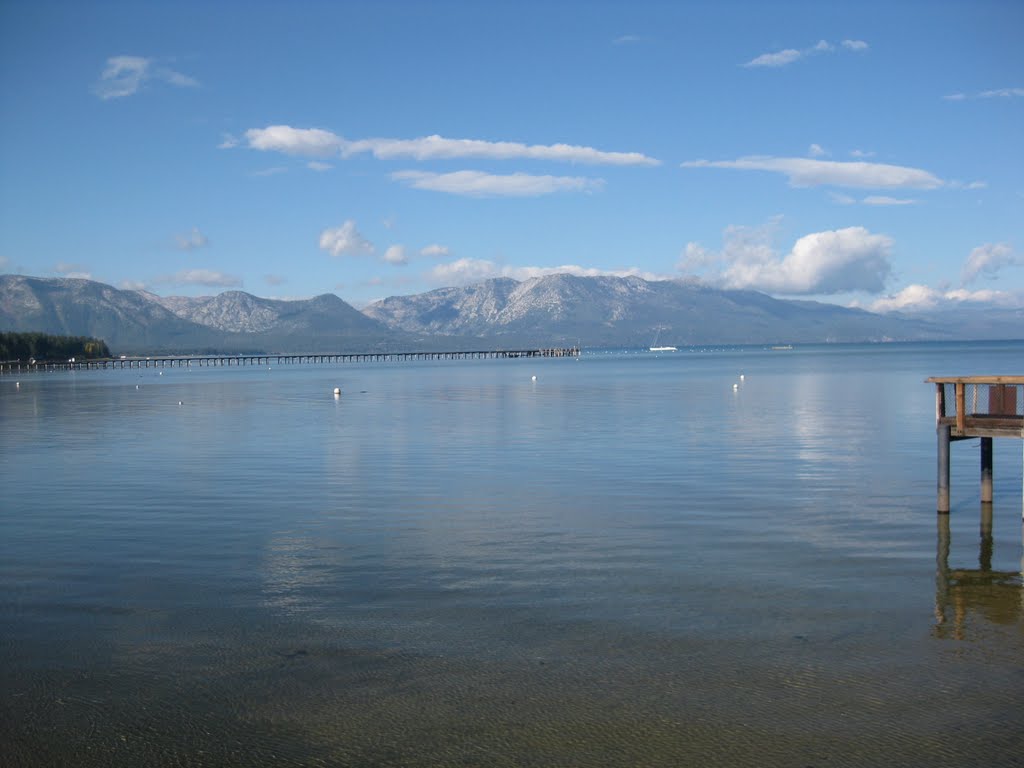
(986, 470)
(943, 467)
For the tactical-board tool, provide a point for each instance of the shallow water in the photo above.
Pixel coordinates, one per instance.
(626, 561)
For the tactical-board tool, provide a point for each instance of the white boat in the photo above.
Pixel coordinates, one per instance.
(655, 348)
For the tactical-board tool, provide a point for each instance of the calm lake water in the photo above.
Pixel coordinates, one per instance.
(634, 559)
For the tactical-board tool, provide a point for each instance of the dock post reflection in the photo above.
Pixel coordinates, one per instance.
(967, 598)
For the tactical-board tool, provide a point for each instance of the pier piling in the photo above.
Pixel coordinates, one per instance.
(983, 407)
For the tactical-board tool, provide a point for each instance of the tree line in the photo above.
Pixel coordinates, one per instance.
(43, 346)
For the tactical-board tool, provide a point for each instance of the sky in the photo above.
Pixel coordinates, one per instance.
(863, 153)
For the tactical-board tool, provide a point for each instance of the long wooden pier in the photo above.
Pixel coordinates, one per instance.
(975, 406)
(211, 361)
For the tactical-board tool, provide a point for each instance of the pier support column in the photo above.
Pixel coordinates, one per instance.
(986, 470)
(942, 505)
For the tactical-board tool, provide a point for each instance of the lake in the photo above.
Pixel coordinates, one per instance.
(714, 557)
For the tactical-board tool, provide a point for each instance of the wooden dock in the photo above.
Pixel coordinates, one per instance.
(211, 361)
(982, 407)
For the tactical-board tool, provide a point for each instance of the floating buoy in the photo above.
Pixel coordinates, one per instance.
(741, 377)
(136, 386)
(533, 378)
(337, 391)
(179, 402)
(735, 387)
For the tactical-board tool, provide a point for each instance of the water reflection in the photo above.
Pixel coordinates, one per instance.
(965, 598)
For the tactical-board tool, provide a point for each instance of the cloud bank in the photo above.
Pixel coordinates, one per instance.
(777, 59)
(345, 240)
(204, 277)
(191, 241)
(809, 172)
(988, 260)
(480, 184)
(469, 271)
(317, 142)
(830, 262)
(127, 75)
(922, 298)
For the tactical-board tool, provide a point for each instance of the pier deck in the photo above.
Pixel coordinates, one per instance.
(210, 361)
(968, 407)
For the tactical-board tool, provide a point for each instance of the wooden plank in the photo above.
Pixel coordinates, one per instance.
(975, 380)
(961, 407)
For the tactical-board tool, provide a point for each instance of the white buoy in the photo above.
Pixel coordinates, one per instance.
(179, 402)
(136, 386)
(735, 387)
(741, 377)
(337, 391)
(533, 378)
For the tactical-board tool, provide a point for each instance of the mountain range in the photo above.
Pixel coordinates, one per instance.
(554, 310)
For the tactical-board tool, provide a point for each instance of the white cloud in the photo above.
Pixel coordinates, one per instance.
(316, 165)
(436, 251)
(191, 241)
(207, 277)
(1002, 93)
(4, 261)
(126, 75)
(275, 280)
(777, 59)
(627, 40)
(480, 184)
(885, 200)
(441, 148)
(228, 141)
(465, 272)
(310, 142)
(816, 150)
(841, 199)
(123, 76)
(860, 153)
(912, 297)
(274, 171)
(469, 271)
(988, 259)
(808, 172)
(345, 241)
(316, 142)
(395, 254)
(132, 285)
(921, 298)
(76, 271)
(789, 55)
(995, 93)
(835, 261)
(175, 78)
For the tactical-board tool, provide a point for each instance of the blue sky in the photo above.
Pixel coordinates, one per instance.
(863, 153)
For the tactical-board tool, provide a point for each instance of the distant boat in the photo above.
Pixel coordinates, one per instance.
(655, 348)
(782, 347)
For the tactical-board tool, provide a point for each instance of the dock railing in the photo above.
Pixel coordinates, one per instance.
(975, 406)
